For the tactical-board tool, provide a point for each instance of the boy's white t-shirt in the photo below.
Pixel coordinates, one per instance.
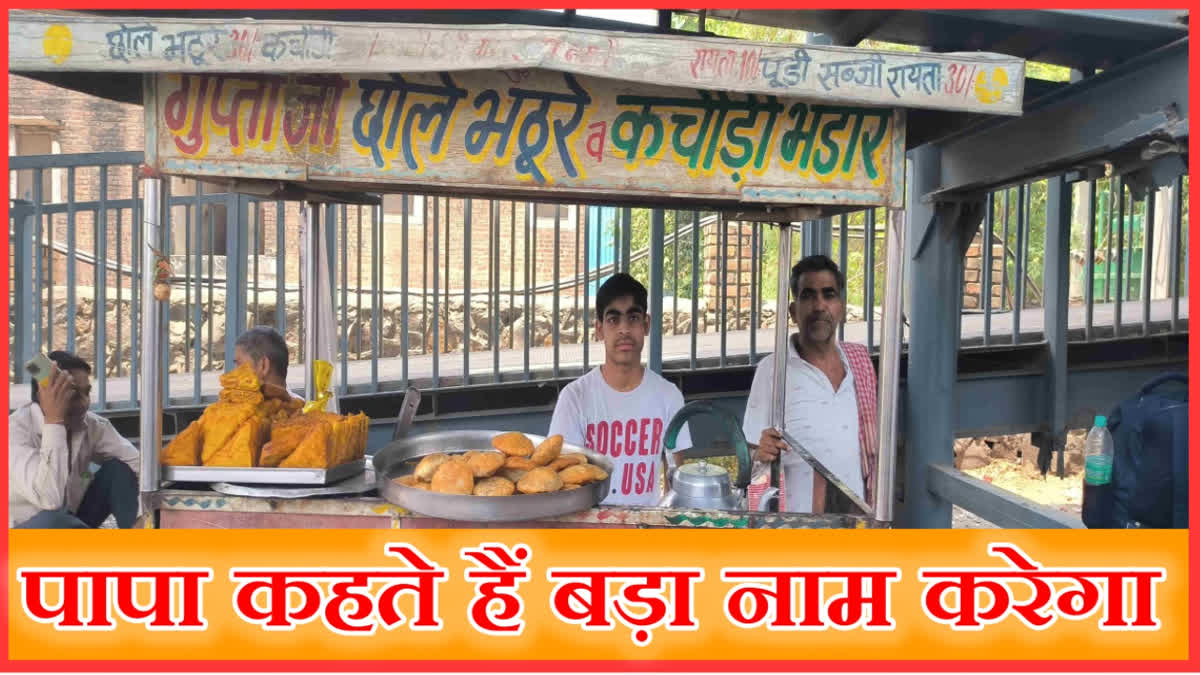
(626, 427)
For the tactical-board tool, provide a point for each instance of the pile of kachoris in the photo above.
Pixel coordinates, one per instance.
(261, 425)
(518, 468)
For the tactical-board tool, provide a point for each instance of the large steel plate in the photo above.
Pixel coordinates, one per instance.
(400, 458)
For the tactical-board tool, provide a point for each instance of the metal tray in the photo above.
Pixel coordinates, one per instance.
(354, 485)
(400, 458)
(262, 476)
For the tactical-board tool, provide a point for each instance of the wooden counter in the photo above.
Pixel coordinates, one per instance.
(184, 509)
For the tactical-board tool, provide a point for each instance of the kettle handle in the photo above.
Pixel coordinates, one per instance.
(735, 427)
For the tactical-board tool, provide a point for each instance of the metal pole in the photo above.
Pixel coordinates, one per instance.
(312, 227)
(657, 234)
(150, 424)
(889, 364)
(779, 384)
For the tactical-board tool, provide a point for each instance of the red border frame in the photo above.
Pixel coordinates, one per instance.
(1192, 663)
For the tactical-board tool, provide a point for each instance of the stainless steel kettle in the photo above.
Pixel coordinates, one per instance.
(702, 485)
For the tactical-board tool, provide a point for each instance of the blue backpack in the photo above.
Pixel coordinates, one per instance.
(1150, 462)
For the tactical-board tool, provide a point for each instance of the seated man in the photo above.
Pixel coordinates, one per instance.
(52, 441)
(620, 409)
(829, 401)
(266, 352)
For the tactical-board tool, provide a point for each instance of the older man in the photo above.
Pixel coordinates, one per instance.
(53, 440)
(267, 353)
(829, 400)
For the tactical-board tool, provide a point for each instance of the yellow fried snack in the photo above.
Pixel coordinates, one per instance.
(569, 459)
(184, 449)
(453, 478)
(240, 396)
(411, 481)
(270, 406)
(429, 464)
(221, 421)
(341, 442)
(242, 378)
(274, 391)
(582, 473)
(286, 435)
(513, 443)
(513, 475)
(241, 450)
(485, 464)
(521, 463)
(494, 487)
(539, 480)
(548, 450)
(313, 451)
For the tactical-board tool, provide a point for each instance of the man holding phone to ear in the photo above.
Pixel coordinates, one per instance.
(52, 441)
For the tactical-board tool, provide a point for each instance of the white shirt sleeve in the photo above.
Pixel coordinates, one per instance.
(758, 403)
(568, 418)
(38, 472)
(108, 444)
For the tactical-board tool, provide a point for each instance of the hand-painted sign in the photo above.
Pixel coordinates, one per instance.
(553, 134)
(988, 83)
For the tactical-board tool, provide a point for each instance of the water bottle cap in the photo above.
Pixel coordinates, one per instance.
(1101, 421)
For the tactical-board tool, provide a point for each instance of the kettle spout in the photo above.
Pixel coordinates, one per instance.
(769, 495)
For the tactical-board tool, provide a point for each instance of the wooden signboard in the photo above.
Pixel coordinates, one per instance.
(537, 133)
(975, 82)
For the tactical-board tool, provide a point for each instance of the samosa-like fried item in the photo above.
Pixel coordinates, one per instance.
(184, 449)
(313, 451)
(220, 422)
(240, 396)
(513, 443)
(242, 450)
(242, 378)
(280, 393)
(269, 407)
(548, 450)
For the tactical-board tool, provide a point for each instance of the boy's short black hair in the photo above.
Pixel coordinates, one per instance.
(620, 285)
(816, 263)
(66, 362)
(263, 342)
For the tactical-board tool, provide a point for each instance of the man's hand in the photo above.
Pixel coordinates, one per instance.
(55, 398)
(770, 444)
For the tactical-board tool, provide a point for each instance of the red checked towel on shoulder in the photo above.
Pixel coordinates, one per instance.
(859, 360)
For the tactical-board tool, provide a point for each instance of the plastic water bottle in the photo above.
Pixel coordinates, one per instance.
(1097, 475)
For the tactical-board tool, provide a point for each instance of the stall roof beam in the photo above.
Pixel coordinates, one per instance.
(1113, 116)
(529, 17)
(1084, 39)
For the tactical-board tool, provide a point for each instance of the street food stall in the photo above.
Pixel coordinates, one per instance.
(325, 111)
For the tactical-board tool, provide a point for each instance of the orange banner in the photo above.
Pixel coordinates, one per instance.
(598, 595)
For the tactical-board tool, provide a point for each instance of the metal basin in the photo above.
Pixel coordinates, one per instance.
(400, 458)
